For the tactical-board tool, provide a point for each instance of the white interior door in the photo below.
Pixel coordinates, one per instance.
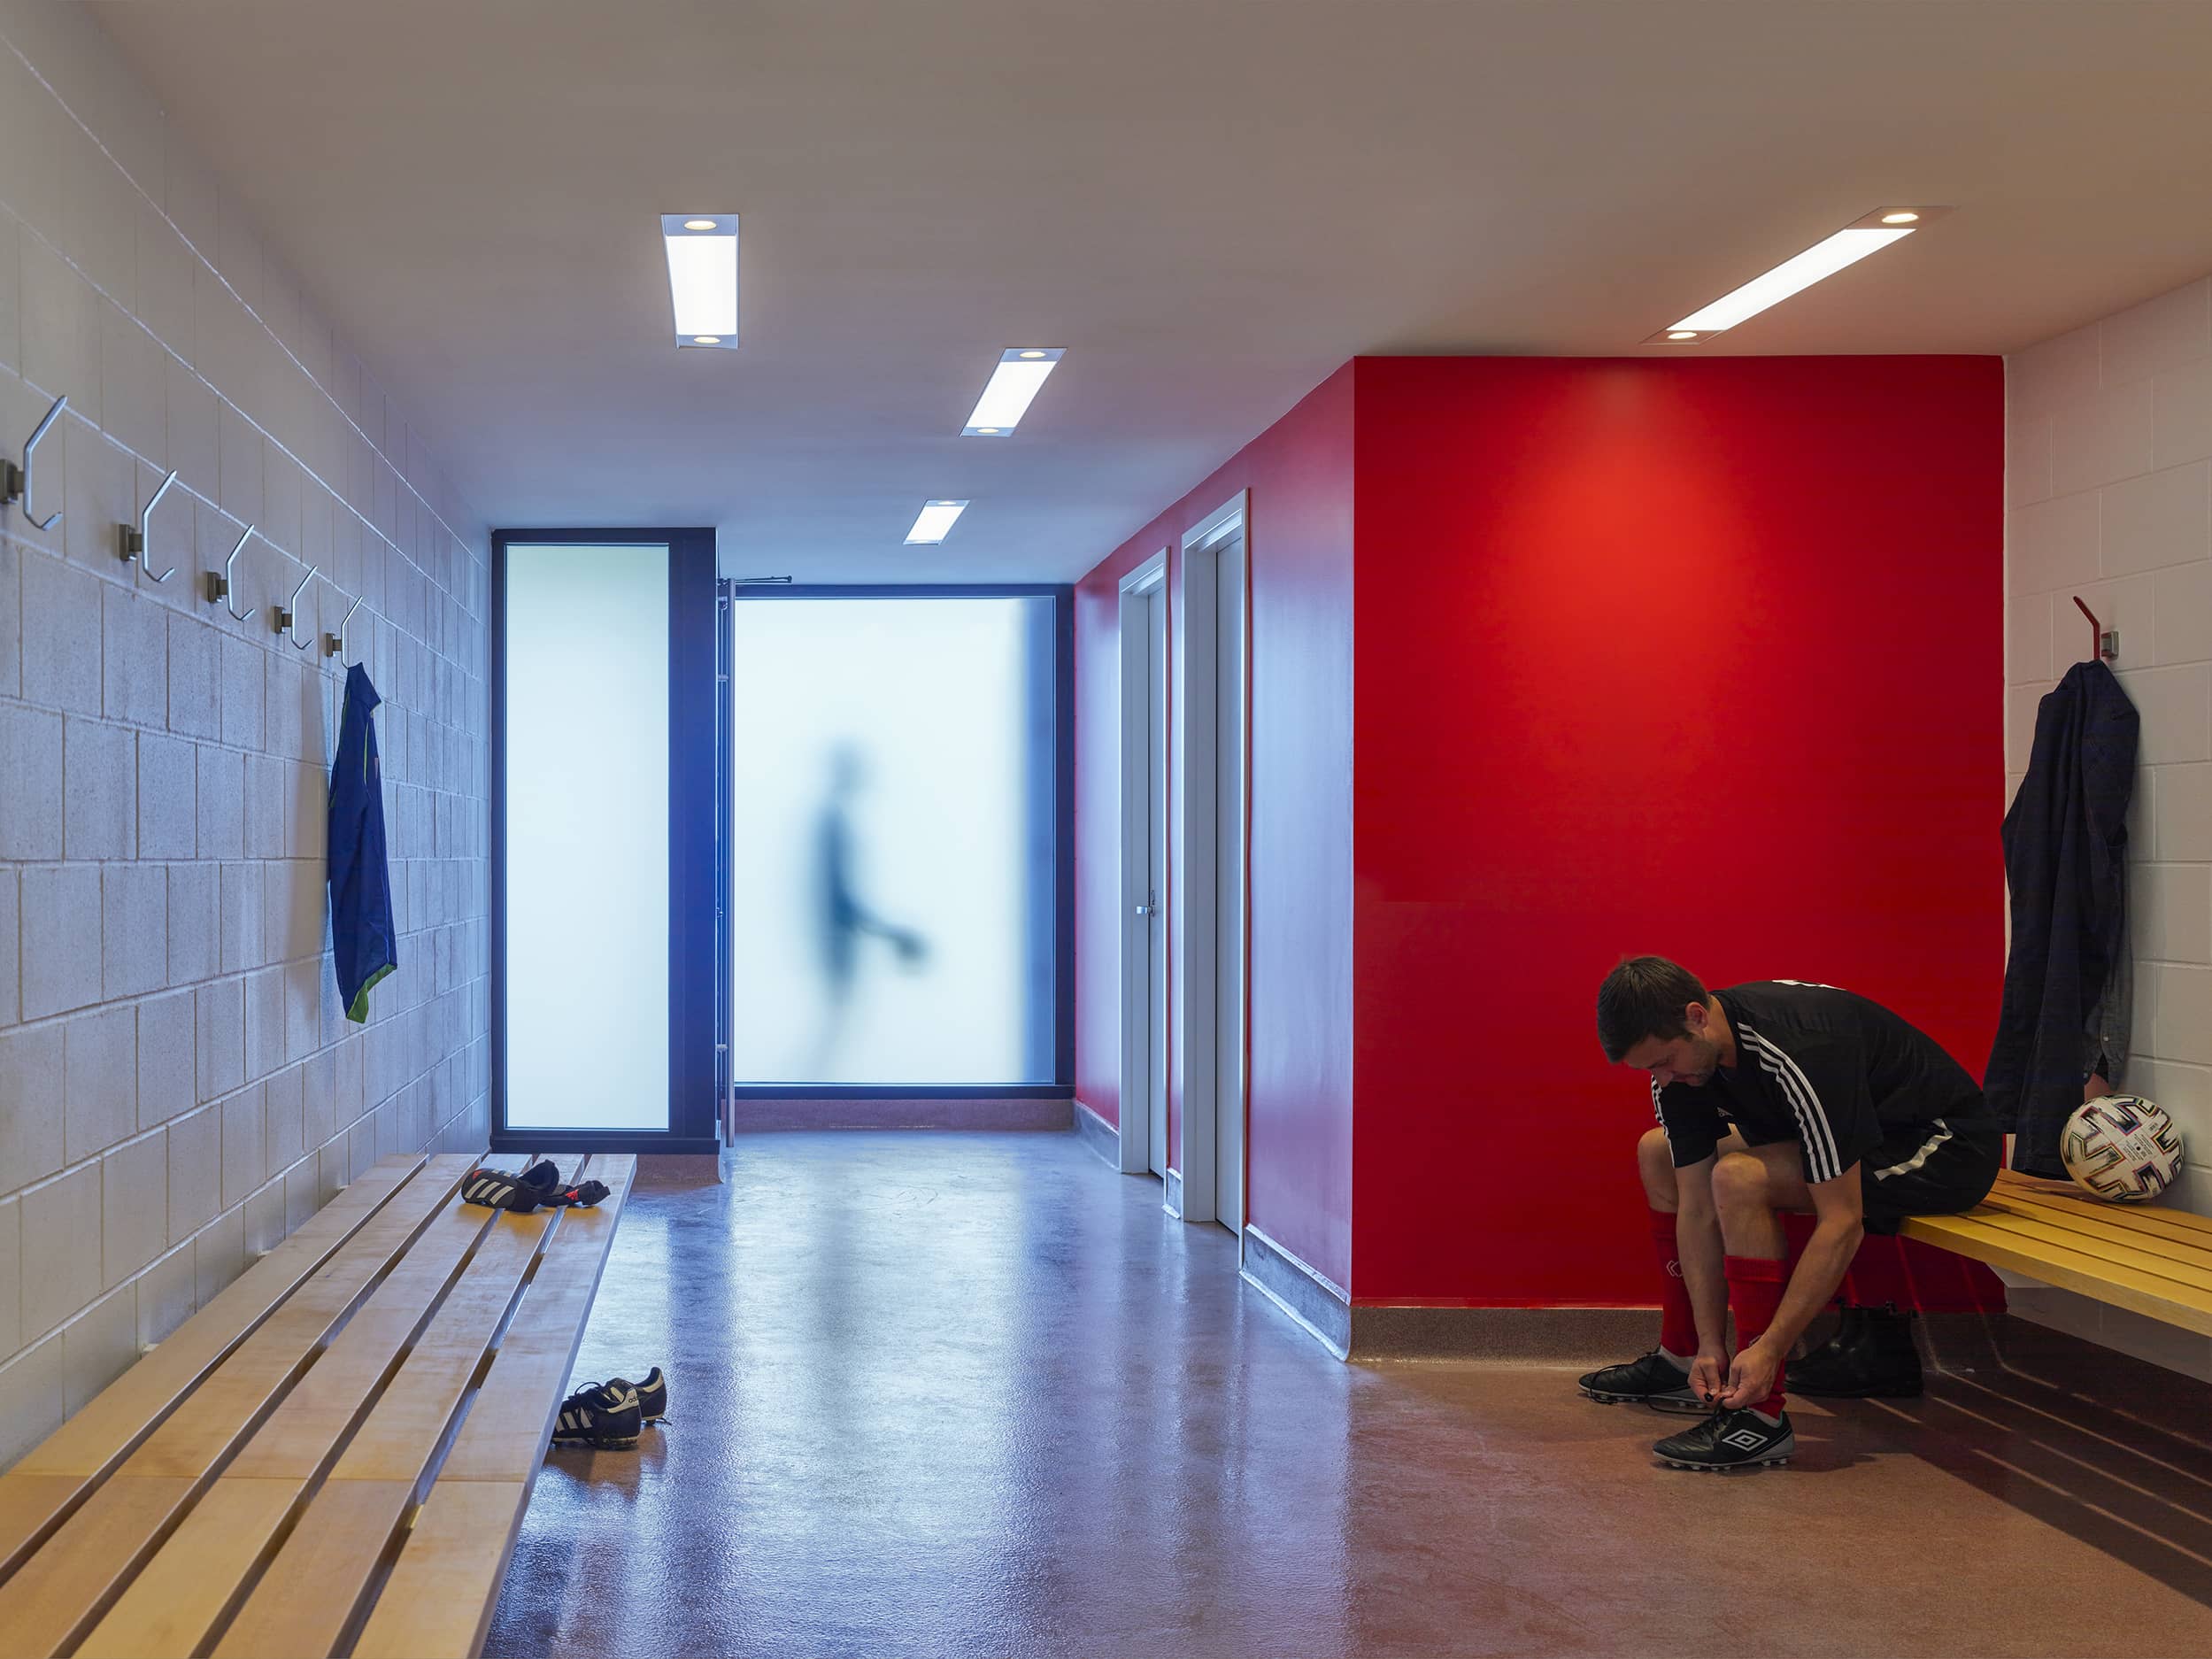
(1144, 858)
(1156, 880)
(1228, 826)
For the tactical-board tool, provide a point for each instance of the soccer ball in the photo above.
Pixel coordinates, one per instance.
(2120, 1147)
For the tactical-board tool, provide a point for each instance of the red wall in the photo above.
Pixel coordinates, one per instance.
(1691, 657)
(1298, 1131)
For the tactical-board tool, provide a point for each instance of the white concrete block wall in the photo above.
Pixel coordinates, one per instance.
(178, 1085)
(2109, 486)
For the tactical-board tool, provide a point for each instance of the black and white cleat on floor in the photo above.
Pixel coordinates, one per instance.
(1654, 1380)
(602, 1415)
(1730, 1440)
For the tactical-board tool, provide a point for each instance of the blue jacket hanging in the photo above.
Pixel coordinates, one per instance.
(363, 939)
(2068, 981)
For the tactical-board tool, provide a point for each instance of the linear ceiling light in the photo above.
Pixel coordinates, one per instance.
(1018, 378)
(703, 276)
(1871, 235)
(935, 522)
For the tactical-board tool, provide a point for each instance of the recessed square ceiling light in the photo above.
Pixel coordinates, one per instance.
(703, 276)
(935, 521)
(1869, 235)
(1018, 378)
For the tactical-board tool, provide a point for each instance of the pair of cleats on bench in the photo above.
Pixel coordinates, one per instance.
(537, 1186)
(610, 1415)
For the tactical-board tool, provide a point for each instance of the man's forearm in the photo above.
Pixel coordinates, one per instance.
(1819, 1270)
(1698, 1247)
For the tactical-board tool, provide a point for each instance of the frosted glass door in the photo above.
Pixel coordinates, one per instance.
(892, 842)
(587, 904)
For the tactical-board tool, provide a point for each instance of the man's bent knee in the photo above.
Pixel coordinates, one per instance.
(1739, 1181)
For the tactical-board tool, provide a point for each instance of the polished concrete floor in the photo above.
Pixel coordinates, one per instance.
(972, 1393)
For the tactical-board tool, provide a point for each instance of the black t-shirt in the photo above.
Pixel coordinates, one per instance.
(1833, 1072)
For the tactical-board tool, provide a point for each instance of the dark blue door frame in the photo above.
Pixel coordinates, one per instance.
(692, 739)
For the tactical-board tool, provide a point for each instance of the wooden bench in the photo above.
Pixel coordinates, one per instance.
(249, 1487)
(2150, 1260)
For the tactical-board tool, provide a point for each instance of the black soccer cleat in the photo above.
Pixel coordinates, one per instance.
(605, 1416)
(1871, 1356)
(1654, 1380)
(496, 1189)
(1740, 1439)
(652, 1397)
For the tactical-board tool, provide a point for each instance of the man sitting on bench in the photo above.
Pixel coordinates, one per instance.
(1839, 1109)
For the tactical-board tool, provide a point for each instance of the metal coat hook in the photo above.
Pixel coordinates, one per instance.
(16, 482)
(285, 613)
(2104, 642)
(335, 643)
(219, 585)
(133, 541)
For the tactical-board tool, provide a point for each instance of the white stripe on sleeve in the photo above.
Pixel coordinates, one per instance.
(1822, 1162)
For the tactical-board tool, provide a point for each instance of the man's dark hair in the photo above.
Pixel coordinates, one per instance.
(1643, 997)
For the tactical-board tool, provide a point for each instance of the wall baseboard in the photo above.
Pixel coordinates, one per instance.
(1310, 1299)
(762, 1115)
(1527, 1335)
(1100, 1136)
(1507, 1335)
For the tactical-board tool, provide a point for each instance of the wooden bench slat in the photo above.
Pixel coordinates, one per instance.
(92, 1556)
(2070, 1270)
(89, 1440)
(310, 1595)
(350, 1521)
(216, 1415)
(397, 1441)
(50, 1599)
(444, 1587)
(2187, 1277)
(2176, 1225)
(435, 1601)
(54, 1474)
(2012, 1181)
(300, 1436)
(181, 1594)
(2091, 1232)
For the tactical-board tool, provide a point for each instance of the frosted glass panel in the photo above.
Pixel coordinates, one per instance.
(891, 841)
(587, 789)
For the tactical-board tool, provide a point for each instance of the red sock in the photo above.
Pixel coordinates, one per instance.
(1677, 1319)
(1754, 1292)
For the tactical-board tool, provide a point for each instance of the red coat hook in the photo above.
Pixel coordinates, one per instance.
(2104, 644)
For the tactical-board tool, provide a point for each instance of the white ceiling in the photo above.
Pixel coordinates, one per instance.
(1210, 204)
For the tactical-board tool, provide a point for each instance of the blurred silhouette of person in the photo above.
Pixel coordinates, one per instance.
(841, 920)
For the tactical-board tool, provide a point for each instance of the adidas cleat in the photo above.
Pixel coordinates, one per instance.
(605, 1416)
(496, 1189)
(1654, 1380)
(652, 1397)
(1740, 1439)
